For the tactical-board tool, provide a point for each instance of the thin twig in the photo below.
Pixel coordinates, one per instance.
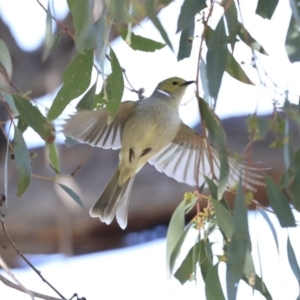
(27, 261)
(82, 162)
(30, 292)
(19, 284)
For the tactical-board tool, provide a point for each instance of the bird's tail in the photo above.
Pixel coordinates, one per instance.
(113, 201)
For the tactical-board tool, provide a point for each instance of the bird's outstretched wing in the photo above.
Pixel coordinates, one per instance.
(90, 127)
(189, 158)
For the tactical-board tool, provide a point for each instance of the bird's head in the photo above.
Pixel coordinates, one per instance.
(173, 87)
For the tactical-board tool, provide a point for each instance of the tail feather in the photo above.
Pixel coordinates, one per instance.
(113, 201)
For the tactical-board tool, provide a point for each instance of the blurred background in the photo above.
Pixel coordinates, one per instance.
(78, 254)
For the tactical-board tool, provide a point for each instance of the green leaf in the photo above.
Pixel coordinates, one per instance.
(23, 162)
(260, 286)
(234, 69)
(216, 57)
(76, 78)
(218, 137)
(114, 88)
(232, 21)
(247, 38)
(295, 10)
(34, 118)
(118, 9)
(292, 41)
(87, 101)
(72, 194)
(82, 12)
(8, 98)
(188, 11)
(140, 43)
(187, 269)
(213, 288)
(49, 38)
(22, 125)
(249, 269)
(204, 262)
(5, 59)
(177, 232)
(279, 203)
(186, 41)
(99, 100)
(239, 244)
(273, 230)
(152, 15)
(295, 189)
(53, 156)
(224, 219)
(70, 142)
(293, 260)
(266, 8)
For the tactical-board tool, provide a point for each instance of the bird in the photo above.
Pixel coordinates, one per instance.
(150, 130)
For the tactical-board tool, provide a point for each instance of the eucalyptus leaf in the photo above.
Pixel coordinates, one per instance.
(8, 98)
(76, 78)
(204, 262)
(53, 156)
(87, 101)
(234, 69)
(292, 41)
(118, 9)
(213, 288)
(293, 260)
(82, 12)
(232, 21)
(114, 87)
(49, 38)
(23, 162)
(5, 59)
(186, 41)
(239, 244)
(279, 203)
(34, 118)
(266, 8)
(188, 11)
(72, 194)
(152, 15)
(273, 230)
(141, 43)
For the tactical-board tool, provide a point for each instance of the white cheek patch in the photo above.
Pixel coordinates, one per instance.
(164, 93)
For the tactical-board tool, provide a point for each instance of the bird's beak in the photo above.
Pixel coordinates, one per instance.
(187, 83)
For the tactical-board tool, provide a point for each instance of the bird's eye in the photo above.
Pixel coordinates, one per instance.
(174, 82)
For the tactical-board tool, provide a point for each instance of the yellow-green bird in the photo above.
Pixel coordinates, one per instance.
(150, 130)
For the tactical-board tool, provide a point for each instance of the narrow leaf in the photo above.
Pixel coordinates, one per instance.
(82, 12)
(53, 156)
(76, 78)
(188, 11)
(260, 286)
(141, 43)
(204, 262)
(224, 219)
(8, 98)
(118, 9)
(5, 59)
(87, 101)
(213, 288)
(232, 21)
(49, 38)
(234, 69)
(152, 15)
(293, 260)
(266, 8)
(186, 41)
(115, 87)
(186, 271)
(33, 117)
(23, 162)
(239, 244)
(273, 230)
(72, 194)
(279, 203)
(292, 41)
